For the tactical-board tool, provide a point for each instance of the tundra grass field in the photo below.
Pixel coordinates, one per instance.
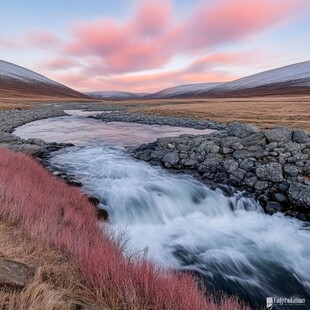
(264, 112)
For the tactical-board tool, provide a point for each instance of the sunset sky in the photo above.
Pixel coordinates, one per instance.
(148, 45)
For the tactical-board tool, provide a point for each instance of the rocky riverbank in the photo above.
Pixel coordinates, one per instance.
(10, 119)
(125, 116)
(272, 164)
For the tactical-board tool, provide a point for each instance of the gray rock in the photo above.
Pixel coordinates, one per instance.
(7, 137)
(284, 186)
(291, 170)
(240, 130)
(229, 141)
(157, 154)
(183, 147)
(306, 168)
(14, 274)
(257, 138)
(190, 162)
(261, 185)
(230, 165)
(297, 157)
(279, 197)
(273, 207)
(209, 147)
(227, 150)
(299, 194)
(270, 172)
(242, 154)
(171, 158)
(237, 146)
(271, 146)
(250, 181)
(300, 136)
(247, 164)
(291, 147)
(280, 134)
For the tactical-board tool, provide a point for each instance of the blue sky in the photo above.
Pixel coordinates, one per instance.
(147, 45)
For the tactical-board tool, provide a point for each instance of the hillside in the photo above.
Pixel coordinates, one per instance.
(289, 80)
(19, 82)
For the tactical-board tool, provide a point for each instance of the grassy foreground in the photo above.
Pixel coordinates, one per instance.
(52, 227)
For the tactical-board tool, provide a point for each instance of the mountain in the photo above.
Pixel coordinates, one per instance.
(288, 80)
(183, 90)
(291, 79)
(19, 82)
(114, 95)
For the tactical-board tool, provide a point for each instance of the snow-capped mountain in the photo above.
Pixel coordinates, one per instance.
(16, 81)
(290, 79)
(184, 90)
(114, 95)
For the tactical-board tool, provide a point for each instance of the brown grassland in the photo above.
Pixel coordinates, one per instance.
(264, 112)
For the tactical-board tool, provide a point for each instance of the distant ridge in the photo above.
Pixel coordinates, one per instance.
(19, 82)
(114, 95)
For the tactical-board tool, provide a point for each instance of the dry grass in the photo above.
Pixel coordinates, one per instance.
(58, 283)
(31, 102)
(265, 112)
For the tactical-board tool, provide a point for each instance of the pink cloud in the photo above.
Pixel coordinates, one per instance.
(226, 21)
(131, 45)
(152, 17)
(60, 64)
(41, 39)
(151, 37)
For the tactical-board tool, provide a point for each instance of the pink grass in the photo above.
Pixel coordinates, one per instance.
(60, 217)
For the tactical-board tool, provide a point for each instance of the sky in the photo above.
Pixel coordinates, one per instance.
(149, 45)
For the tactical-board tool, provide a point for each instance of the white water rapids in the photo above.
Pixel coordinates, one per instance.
(228, 241)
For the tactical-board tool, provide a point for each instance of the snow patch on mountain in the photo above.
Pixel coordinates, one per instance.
(185, 89)
(297, 74)
(10, 71)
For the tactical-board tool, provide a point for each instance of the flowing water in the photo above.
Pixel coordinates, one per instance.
(227, 241)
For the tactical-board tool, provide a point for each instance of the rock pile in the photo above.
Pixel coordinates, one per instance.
(10, 119)
(273, 164)
(158, 120)
(34, 147)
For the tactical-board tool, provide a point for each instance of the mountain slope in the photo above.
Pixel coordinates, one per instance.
(291, 79)
(183, 90)
(19, 82)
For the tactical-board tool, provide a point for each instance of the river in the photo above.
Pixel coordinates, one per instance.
(176, 220)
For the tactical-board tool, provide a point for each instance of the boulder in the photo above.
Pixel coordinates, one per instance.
(102, 214)
(273, 207)
(280, 134)
(272, 172)
(300, 136)
(15, 275)
(299, 194)
(7, 137)
(230, 165)
(240, 130)
(171, 158)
